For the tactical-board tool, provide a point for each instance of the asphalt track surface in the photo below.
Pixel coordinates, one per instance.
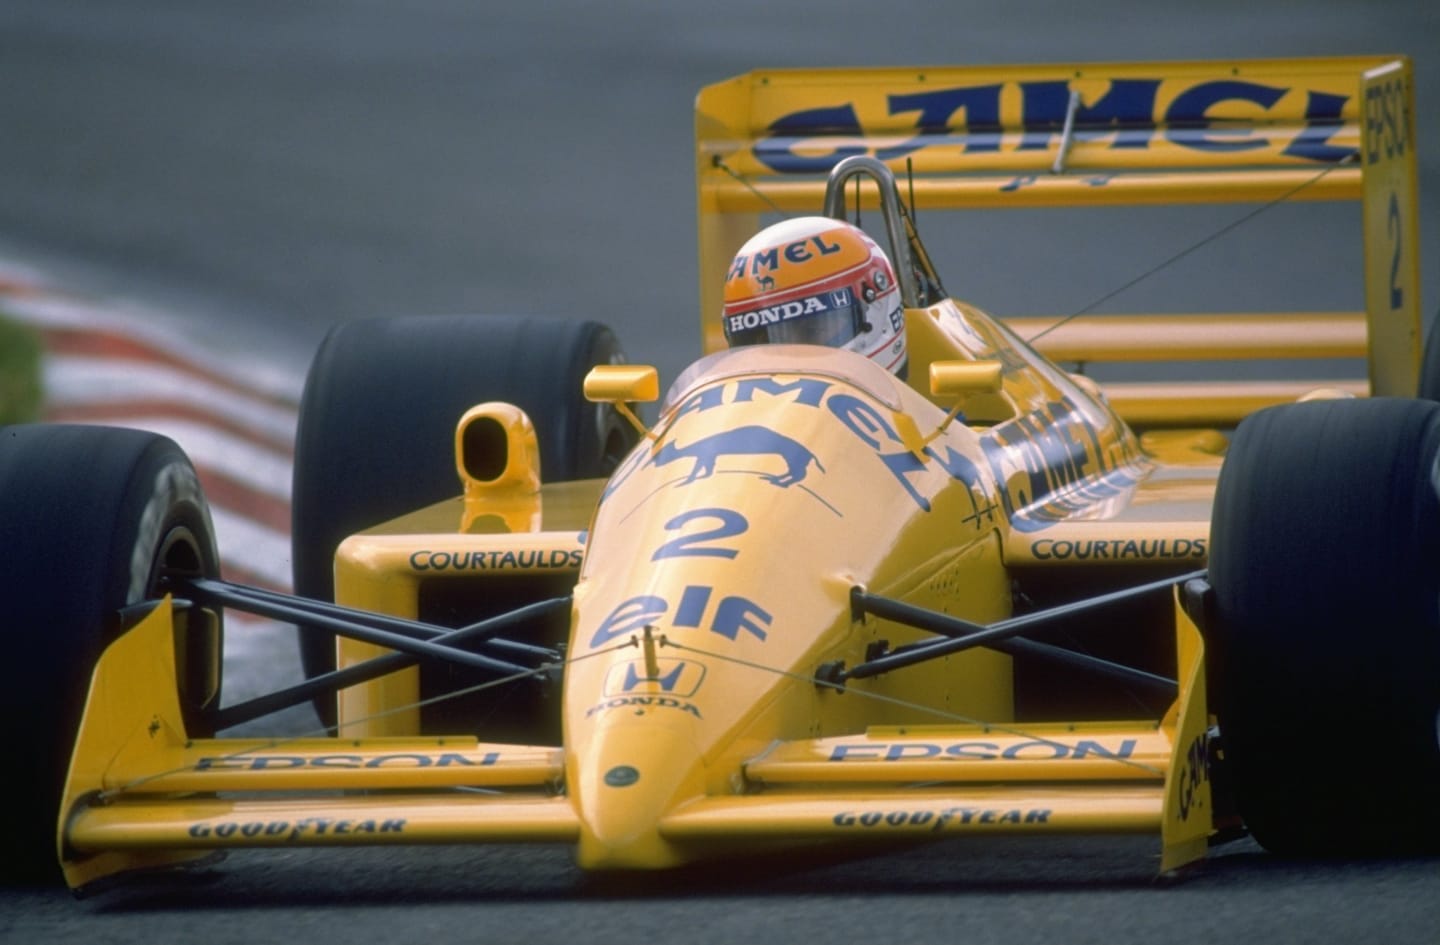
(255, 172)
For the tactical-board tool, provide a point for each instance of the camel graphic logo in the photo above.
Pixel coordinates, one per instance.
(742, 441)
(679, 678)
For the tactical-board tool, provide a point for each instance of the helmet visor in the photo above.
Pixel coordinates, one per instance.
(829, 318)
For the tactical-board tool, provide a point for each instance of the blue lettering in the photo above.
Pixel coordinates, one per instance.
(407, 761)
(841, 752)
(981, 104)
(736, 614)
(862, 419)
(1085, 748)
(1026, 750)
(767, 259)
(969, 118)
(776, 152)
(628, 617)
(960, 467)
(1387, 121)
(979, 751)
(1191, 124)
(1125, 111)
(277, 761)
(699, 403)
(797, 253)
(1003, 447)
(808, 391)
(693, 602)
(901, 750)
(1322, 120)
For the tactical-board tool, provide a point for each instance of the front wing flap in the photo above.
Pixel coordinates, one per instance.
(141, 793)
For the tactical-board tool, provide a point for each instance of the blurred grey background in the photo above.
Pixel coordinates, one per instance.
(266, 168)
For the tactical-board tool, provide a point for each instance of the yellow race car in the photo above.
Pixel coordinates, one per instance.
(812, 601)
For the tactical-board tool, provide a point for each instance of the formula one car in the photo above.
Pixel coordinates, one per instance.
(812, 602)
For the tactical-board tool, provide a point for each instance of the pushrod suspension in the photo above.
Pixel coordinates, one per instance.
(959, 635)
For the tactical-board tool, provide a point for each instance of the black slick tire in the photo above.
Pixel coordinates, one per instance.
(378, 415)
(90, 517)
(1325, 649)
(1430, 366)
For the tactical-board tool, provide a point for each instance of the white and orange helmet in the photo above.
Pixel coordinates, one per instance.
(818, 281)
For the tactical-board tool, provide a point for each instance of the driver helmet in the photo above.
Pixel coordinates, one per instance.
(817, 281)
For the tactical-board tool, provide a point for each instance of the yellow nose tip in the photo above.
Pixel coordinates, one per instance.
(635, 775)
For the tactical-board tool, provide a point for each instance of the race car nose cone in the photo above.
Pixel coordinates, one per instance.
(634, 777)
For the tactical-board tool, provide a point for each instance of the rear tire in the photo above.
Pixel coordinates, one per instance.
(1325, 559)
(377, 426)
(90, 518)
(1430, 366)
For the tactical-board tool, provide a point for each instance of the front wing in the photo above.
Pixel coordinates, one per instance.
(142, 793)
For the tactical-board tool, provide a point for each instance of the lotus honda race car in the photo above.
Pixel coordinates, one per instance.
(811, 602)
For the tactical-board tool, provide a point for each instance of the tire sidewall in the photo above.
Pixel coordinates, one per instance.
(86, 514)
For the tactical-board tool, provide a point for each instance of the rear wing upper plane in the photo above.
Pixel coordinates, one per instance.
(1102, 134)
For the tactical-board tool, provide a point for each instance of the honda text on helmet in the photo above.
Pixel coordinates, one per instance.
(817, 281)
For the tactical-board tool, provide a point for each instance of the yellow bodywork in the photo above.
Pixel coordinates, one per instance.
(705, 707)
(142, 794)
(695, 717)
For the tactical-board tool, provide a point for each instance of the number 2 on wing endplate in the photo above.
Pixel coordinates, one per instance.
(1395, 230)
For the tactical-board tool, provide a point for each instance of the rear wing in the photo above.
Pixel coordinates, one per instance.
(1092, 135)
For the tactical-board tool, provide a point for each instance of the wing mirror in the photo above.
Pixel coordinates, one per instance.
(621, 385)
(961, 380)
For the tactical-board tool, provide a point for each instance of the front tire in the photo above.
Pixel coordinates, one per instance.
(90, 520)
(1325, 559)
